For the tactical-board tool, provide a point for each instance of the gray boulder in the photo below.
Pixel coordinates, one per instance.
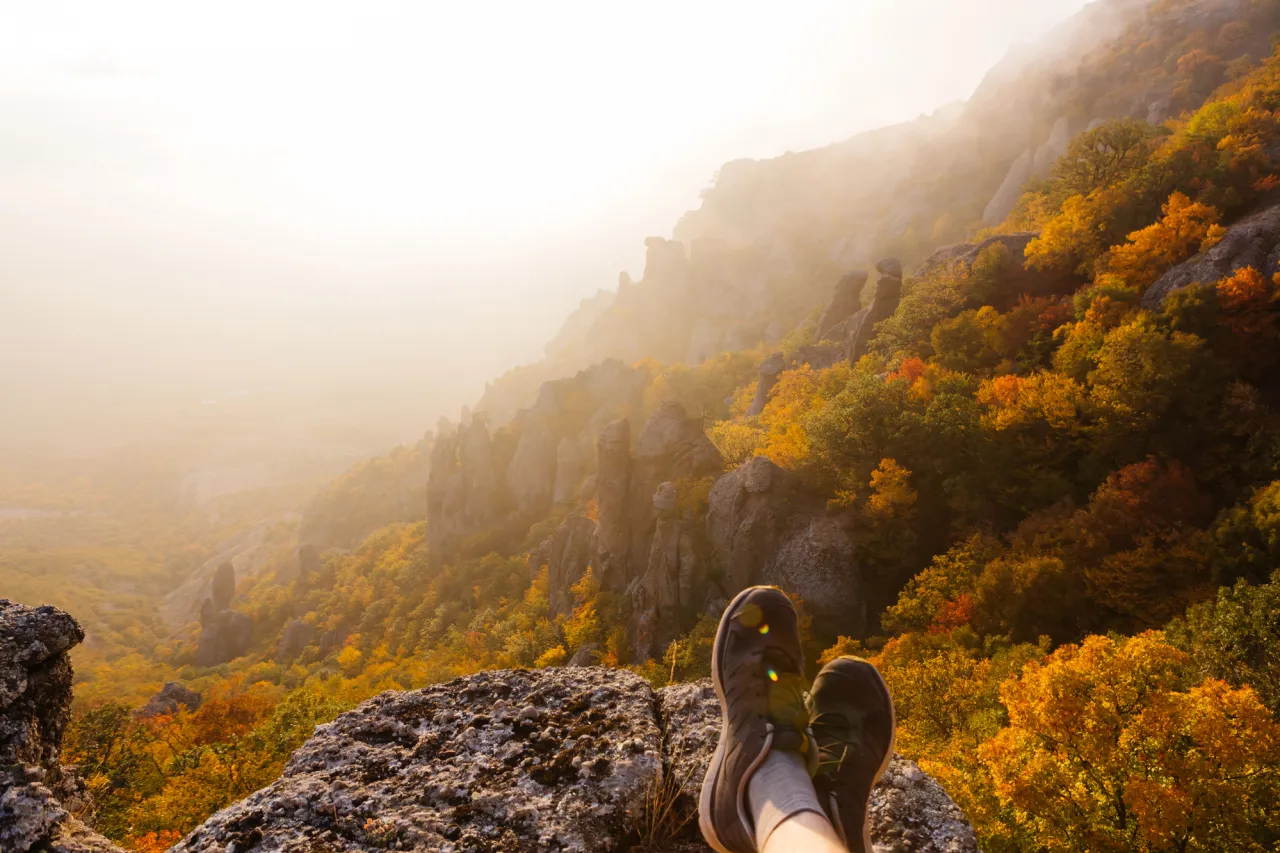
(172, 697)
(861, 327)
(224, 586)
(35, 706)
(770, 369)
(764, 528)
(518, 760)
(845, 301)
(613, 487)
(1252, 242)
(671, 445)
(568, 554)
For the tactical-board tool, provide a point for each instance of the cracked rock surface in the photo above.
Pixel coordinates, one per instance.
(518, 760)
(35, 705)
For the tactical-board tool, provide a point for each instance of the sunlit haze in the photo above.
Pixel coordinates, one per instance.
(375, 207)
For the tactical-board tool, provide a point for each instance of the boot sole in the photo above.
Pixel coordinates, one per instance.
(884, 765)
(717, 758)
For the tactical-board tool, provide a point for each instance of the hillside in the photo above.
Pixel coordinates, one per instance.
(1033, 474)
(771, 237)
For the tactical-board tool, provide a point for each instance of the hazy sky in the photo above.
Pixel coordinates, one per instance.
(402, 197)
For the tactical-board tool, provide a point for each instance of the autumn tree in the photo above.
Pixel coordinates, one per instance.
(1102, 156)
(1111, 747)
(1185, 228)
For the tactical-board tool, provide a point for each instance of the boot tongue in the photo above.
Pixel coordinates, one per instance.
(786, 688)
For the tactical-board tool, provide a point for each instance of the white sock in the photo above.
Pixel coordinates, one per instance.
(780, 788)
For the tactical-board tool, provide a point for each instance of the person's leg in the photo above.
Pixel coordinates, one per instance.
(785, 809)
(804, 832)
(853, 724)
(757, 783)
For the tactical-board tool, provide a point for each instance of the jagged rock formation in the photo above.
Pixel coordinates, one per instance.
(171, 698)
(482, 479)
(1254, 241)
(862, 325)
(295, 637)
(764, 529)
(518, 760)
(35, 705)
(224, 633)
(567, 555)
(770, 368)
(844, 302)
(613, 479)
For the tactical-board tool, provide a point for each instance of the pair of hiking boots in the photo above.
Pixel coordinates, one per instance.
(844, 732)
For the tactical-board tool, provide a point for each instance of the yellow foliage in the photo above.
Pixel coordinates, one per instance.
(1187, 227)
(1109, 749)
(1044, 397)
(891, 492)
(554, 656)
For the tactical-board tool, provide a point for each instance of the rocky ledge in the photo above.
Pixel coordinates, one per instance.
(575, 759)
(578, 759)
(35, 705)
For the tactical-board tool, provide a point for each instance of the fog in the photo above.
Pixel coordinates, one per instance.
(354, 214)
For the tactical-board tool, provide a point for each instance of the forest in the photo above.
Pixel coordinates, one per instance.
(1068, 474)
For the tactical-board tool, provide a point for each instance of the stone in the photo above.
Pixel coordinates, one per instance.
(223, 588)
(770, 369)
(531, 473)
(308, 563)
(845, 301)
(35, 683)
(1253, 241)
(552, 759)
(861, 327)
(568, 553)
(569, 472)
(613, 487)
(671, 446)
(35, 706)
(674, 577)
(519, 760)
(171, 698)
(1002, 203)
(763, 527)
(295, 637)
(225, 636)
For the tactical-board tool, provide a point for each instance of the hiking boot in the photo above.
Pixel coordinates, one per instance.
(853, 726)
(757, 668)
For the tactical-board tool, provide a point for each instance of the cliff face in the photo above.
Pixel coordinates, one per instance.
(771, 237)
(515, 760)
(35, 705)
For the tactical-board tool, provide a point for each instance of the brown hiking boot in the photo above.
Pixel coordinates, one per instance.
(853, 726)
(758, 671)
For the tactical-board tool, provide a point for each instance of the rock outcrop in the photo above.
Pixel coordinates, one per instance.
(518, 760)
(770, 368)
(861, 327)
(1254, 241)
(613, 479)
(225, 634)
(482, 480)
(172, 698)
(844, 302)
(568, 555)
(35, 706)
(765, 529)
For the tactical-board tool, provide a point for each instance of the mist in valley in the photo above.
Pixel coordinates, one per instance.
(312, 229)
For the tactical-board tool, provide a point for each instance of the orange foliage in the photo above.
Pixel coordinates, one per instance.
(1186, 228)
